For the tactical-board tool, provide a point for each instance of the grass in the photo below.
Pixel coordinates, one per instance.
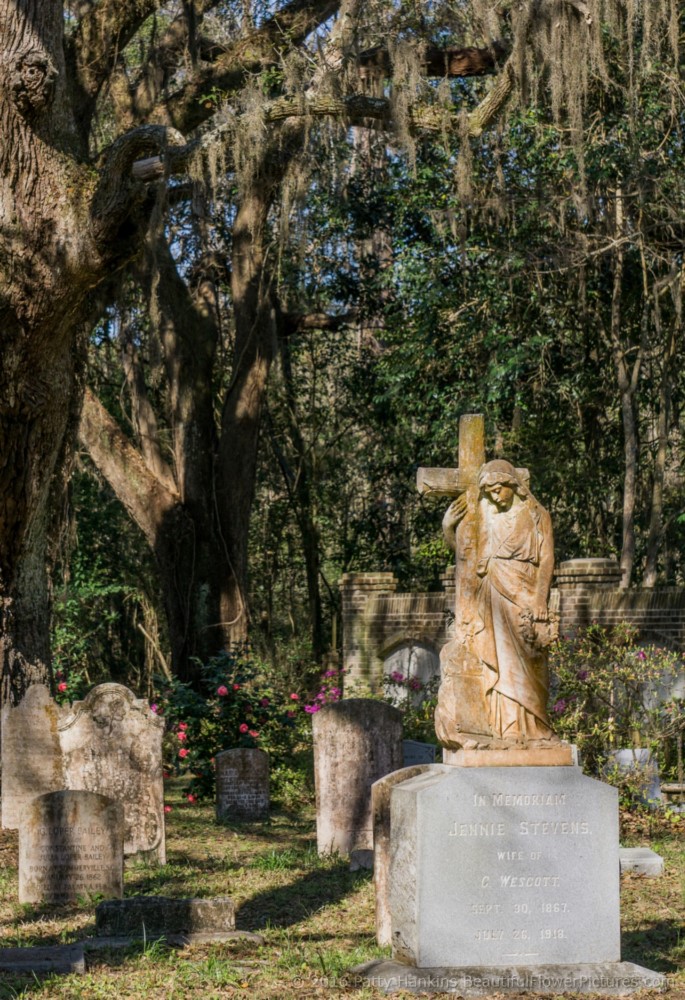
(316, 917)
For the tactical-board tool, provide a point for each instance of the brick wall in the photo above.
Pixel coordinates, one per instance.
(376, 619)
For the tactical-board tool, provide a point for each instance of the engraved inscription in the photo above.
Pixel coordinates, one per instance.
(70, 845)
(518, 890)
(242, 784)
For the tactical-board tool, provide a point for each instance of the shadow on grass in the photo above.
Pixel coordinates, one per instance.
(653, 945)
(286, 905)
(24, 984)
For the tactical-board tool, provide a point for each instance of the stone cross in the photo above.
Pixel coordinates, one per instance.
(451, 483)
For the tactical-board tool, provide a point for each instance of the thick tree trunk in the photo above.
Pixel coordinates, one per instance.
(185, 548)
(49, 263)
(663, 420)
(255, 346)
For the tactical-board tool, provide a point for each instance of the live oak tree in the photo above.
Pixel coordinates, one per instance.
(76, 115)
(100, 103)
(193, 502)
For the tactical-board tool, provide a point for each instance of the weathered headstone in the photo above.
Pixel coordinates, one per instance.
(493, 869)
(503, 864)
(380, 803)
(242, 784)
(643, 771)
(416, 752)
(356, 742)
(70, 845)
(416, 662)
(31, 759)
(112, 744)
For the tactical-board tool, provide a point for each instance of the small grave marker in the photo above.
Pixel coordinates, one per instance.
(242, 784)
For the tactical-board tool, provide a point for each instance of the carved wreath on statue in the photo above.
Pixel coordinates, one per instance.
(539, 634)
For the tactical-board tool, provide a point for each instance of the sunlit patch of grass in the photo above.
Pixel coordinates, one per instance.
(316, 918)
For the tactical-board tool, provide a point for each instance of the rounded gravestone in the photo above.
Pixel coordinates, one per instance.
(242, 784)
(111, 743)
(356, 742)
(71, 844)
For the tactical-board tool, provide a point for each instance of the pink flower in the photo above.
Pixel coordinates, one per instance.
(222, 690)
(191, 798)
(167, 809)
(294, 697)
(330, 673)
(183, 725)
(264, 702)
(290, 715)
(182, 736)
(253, 733)
(62, 686)
(642, 655)
(559, 706)
(243, 727)
(236, 687)
(183, 752)
(153, 708)
(312, 708)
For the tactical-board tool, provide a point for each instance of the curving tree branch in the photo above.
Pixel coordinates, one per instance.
(118, 190)
(260, 49)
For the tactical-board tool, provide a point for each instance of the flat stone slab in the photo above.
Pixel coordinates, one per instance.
(606, 978)
(177, 940)
(162, 916)
(54, 959)
(641, 860)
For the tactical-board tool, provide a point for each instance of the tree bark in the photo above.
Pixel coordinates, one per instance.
(663, 421)
(64, 228)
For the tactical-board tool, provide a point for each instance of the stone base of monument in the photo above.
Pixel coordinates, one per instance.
(556, 755)
(502, 875)
(181, 940)
(605, 978)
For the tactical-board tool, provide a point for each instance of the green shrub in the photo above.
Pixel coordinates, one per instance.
(604, 697)
(417, 702)
(236, 706)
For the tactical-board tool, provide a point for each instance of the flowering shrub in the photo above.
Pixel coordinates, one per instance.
(69, 686)
(607, 693)
(417, 702)
(329, 691)
(234, 707)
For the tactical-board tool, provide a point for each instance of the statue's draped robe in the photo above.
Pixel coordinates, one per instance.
(515, 672)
